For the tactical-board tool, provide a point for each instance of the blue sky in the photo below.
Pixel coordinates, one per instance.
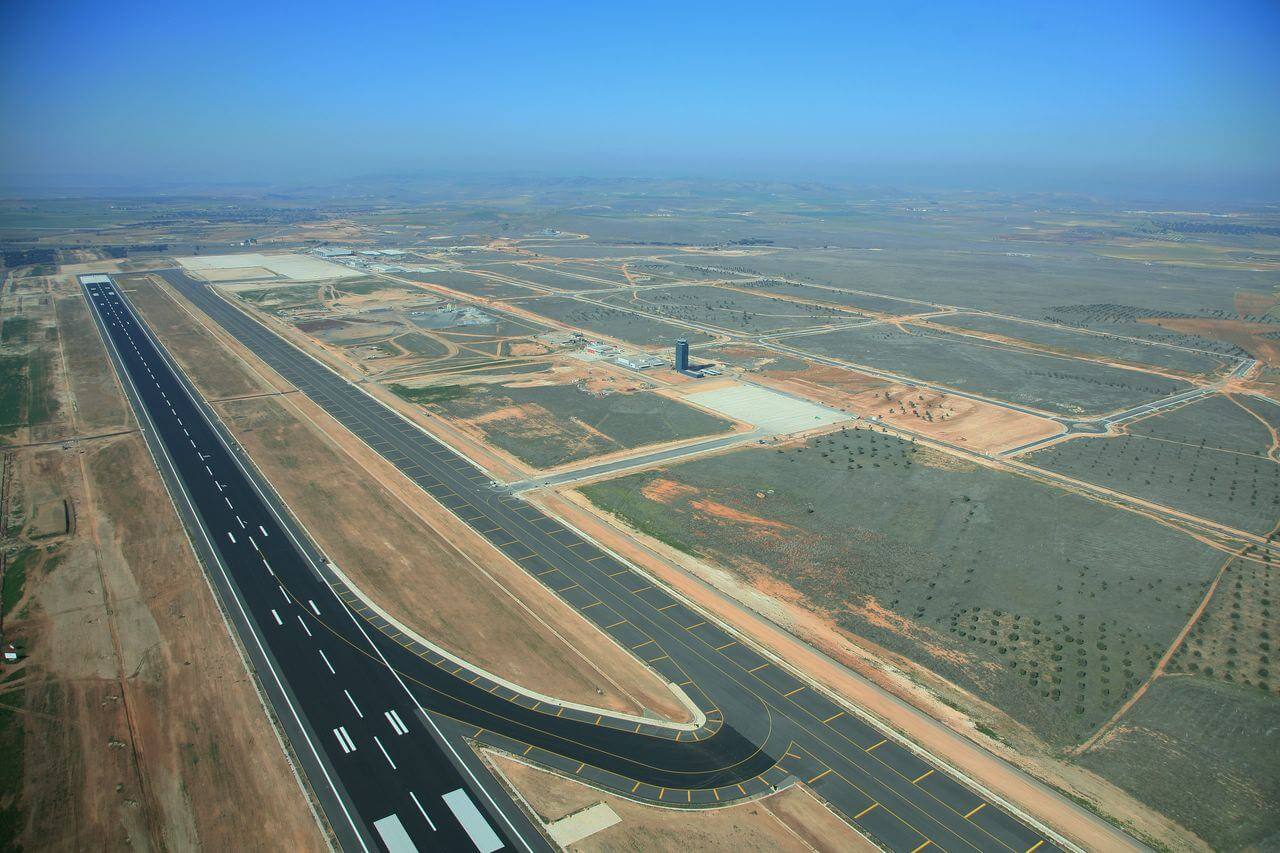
(1054, 95)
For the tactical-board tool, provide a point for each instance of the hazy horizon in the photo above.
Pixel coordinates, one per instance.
(1150, 100)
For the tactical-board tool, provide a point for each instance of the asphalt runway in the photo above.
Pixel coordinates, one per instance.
(356, 730)
(764, 726)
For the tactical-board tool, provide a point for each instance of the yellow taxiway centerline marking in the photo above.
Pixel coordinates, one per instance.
(860, 814)
(975, 810)
(832, 717)
(925, 775)
(819, 776)
(873, 746)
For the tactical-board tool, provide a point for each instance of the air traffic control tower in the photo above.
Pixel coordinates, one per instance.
(682, 356)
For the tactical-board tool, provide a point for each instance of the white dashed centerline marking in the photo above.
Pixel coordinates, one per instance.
(425, 817)
(314, 609)
(385, 754)
(231, 537)
(279, 621)
(359, 713)
(304, 626)
(263, 531)
(326, 662)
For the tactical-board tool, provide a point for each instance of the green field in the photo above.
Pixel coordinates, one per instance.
(1072, 342)
(549, 425)
(1048, 382)
(1205, 754)
(625, 326)
(1208, 459)
(728, 309)
(1051, 606)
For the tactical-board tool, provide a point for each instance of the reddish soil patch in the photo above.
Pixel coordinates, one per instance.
(667, 491)
(1250, 337)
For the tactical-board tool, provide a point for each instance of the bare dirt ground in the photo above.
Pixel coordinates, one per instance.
(915, 703)
(978, 426)
(789, 820)
(143, 728)
(407, 552)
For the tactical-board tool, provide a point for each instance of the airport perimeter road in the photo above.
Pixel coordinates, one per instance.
(765, 726)
(384, 778)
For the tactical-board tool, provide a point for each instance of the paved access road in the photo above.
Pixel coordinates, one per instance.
(764, 726)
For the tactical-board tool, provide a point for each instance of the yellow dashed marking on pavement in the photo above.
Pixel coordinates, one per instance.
(642, 645)
(863, 813)
(529, 750)
(819, 776)
(742, 789)
(833, 716)
(794, 692)
(758, 668)
(725, 646)
(615, 574)
(696, 625)
(592, 604)
(873, 746)
(1033, 847)
(716, 791)
(579, 770)
(668, 606)
(640, 590)
(975, 810)
(658, 658)
(925, 775)
(615, 624)
(927, 842)
(635, 787)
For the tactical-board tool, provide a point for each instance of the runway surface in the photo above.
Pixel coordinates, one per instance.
(764, 726)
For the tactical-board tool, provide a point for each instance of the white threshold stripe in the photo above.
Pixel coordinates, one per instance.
(473, 821)
(397, 724)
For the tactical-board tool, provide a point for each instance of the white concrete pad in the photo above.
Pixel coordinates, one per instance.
(766, 409)
(286, 265)
(573, 828)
